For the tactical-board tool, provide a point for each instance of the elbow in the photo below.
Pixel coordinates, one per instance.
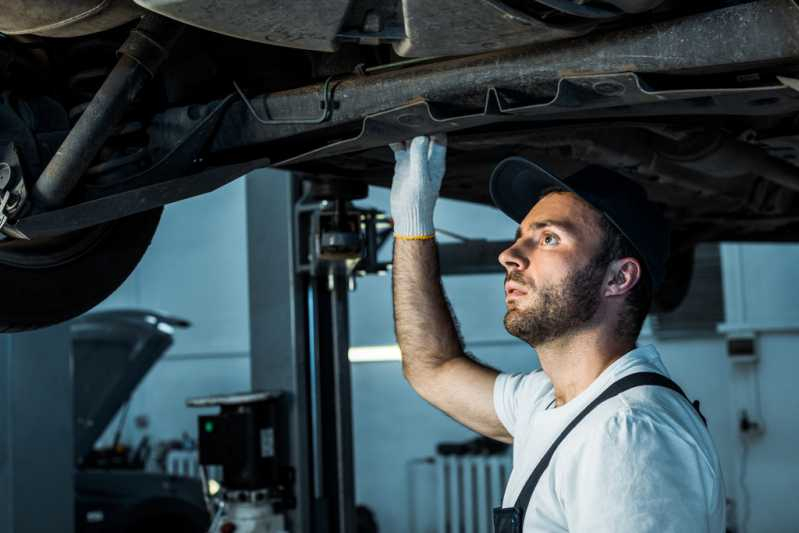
(420, 377)
(410, 373)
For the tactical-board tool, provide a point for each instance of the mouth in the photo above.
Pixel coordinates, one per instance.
(513, 291)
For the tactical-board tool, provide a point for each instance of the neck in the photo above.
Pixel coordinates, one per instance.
(574, 362)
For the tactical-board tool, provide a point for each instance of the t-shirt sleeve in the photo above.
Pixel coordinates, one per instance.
(638, 475)
(510, 390)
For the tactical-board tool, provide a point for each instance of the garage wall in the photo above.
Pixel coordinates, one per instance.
(195, 268)
(761, 294)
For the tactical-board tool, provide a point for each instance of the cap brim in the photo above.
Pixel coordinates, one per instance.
(516, 185)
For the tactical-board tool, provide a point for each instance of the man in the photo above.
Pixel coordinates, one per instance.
(609, 454)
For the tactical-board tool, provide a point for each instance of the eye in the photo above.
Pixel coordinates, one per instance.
(550, 239)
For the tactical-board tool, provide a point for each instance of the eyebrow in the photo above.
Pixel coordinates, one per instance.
(562, 225)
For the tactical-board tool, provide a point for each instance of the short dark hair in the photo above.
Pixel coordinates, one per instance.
(615, 246)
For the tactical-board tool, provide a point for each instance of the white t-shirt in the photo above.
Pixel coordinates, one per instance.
(640, 462)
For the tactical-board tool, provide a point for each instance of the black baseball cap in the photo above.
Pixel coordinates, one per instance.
(516, 186)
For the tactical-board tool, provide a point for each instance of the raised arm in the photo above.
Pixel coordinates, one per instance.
(433, 359)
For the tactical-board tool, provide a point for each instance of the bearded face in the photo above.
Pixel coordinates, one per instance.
(548, 312)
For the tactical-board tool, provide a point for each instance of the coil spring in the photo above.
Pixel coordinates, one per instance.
(126, 149)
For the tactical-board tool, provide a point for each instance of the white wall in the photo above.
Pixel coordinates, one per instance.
(760, 297)
(196, 269)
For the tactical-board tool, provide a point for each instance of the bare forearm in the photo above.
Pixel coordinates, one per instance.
(425, 329)
(433, 357)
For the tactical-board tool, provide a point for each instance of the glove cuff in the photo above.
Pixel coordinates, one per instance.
(414, 223)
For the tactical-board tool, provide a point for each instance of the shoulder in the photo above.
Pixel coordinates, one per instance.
(644, 433)
(531, 386)
(630, 469)
(519, 393)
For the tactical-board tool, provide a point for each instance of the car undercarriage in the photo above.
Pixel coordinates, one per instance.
(102, 122)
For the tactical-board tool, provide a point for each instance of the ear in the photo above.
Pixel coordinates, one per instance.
(622, 276)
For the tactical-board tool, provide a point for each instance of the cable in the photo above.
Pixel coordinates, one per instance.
(742, 483)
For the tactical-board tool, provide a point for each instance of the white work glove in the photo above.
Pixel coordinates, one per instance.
(419, 169)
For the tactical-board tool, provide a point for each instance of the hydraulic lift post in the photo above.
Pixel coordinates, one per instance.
(306, 243)
(299, 341)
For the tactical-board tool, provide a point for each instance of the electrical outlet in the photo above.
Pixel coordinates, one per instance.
(742, 348)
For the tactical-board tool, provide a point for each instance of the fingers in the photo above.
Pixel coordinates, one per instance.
(438, 147)
(419, 144)
(418, 153)
(399, 147)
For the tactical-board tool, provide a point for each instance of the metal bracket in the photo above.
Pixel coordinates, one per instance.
(326, 105)
(573, 93)
(312, 250)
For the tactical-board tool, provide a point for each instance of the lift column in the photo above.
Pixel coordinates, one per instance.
(299, 340)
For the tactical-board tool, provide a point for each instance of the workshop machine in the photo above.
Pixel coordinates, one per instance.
(112, 351)
(245, 440)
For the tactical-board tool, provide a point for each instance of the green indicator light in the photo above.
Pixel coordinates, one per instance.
(209, 426)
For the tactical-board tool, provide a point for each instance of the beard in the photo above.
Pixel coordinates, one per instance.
(557, 310)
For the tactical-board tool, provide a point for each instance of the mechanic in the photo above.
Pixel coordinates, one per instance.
(594, 449)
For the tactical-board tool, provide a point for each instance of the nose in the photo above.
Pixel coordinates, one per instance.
(513, 259)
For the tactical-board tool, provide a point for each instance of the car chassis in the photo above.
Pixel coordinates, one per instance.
(700, 109)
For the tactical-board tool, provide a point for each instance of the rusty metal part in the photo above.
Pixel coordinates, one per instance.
(325, 103)
(169, 180)
(724, 159)
(698, 162)
(583, 9)
(732, 38)
(117, 205)
(307, 24)
(520, 86)
(406, 121)
(140, 56)
(378, 130)
(457, 27)
(65, 18)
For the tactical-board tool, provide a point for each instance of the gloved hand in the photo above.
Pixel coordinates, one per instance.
(419, 169)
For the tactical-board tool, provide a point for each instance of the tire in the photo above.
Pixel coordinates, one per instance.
(44, 282)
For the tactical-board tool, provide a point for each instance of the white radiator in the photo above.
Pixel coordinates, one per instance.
(184, 463)
(468, 488)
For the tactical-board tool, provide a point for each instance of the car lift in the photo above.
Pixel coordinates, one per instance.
(306, 244)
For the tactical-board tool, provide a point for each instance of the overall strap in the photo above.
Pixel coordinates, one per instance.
(623, 384)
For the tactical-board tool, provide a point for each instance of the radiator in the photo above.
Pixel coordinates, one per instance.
(468, 487)
(184, 463)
